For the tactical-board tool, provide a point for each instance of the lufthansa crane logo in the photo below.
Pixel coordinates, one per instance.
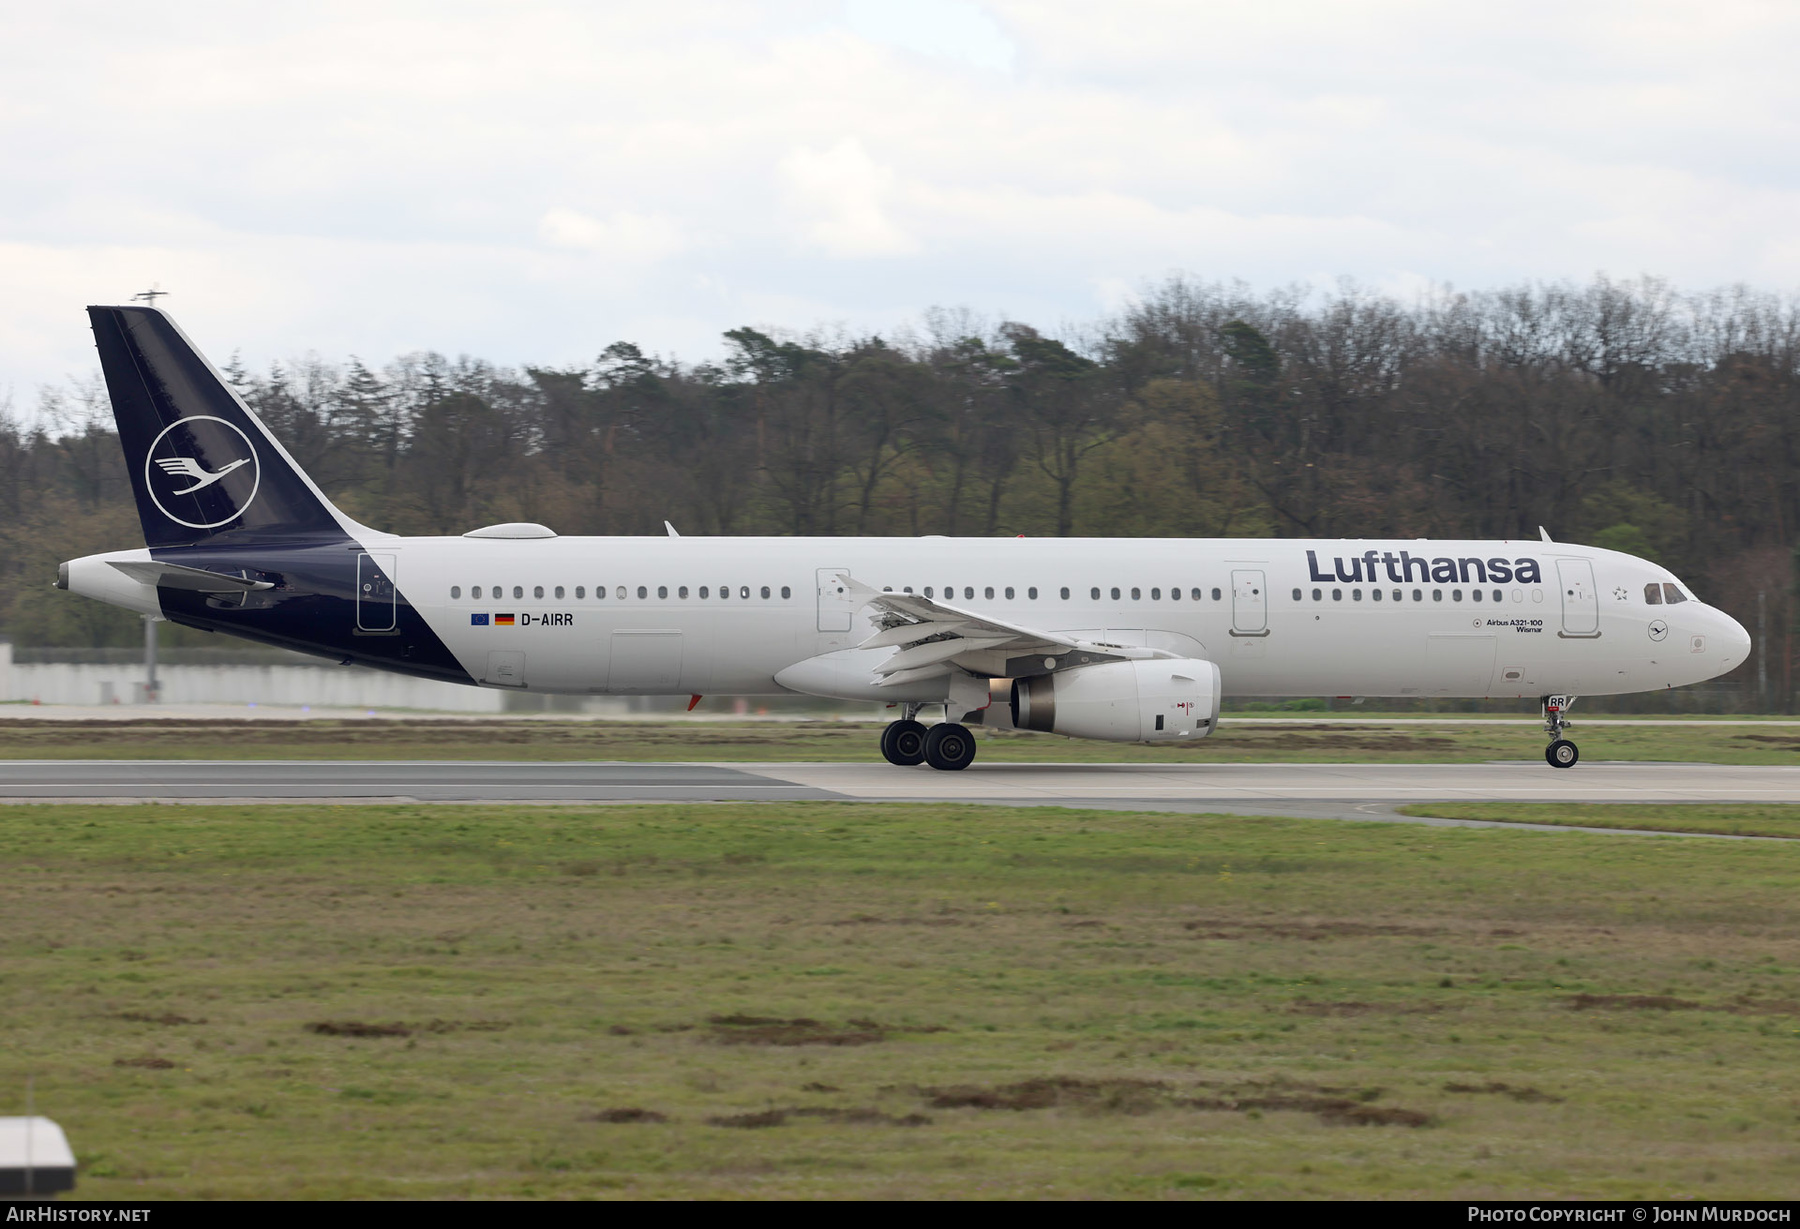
(202, 472)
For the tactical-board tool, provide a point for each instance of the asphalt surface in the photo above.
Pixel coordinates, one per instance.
(1323, 791)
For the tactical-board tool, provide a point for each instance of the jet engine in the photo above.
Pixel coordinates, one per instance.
(1149, 701)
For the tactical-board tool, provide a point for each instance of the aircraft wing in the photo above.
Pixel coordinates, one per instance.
(933, 637)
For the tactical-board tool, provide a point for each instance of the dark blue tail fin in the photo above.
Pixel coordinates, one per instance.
(203, 467)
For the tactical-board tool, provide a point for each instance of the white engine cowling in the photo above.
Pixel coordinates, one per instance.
(1160, 700)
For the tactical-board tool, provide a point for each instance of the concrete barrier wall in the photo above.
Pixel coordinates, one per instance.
(320, 686)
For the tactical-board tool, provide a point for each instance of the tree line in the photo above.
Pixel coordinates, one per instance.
(1623, 414)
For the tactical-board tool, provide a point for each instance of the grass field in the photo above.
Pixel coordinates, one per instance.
(828, 1000)
(1734, 819)
(1401, 742)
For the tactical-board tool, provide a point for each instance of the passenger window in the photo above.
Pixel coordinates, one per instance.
(1437, 595)
(662, 591)
(928, 592)
(1065, 593)
(559, 591)
(1175, 595)
(1356, 595)
(619, 593)
(518, 591)
(1418, 595)
(1398, 595)
(765, 592)
(1497, 595)
(1195, 594)
(1136, 595)
(537, 591)
(643, 593)
(1456, 595)
(903, 589)
(580, 592)
(681, 592)
(1215, 595)
(1115, 595)
(1475, 594)
(1375, 593)
(1296, 594)
(786, 592)
(1318, 594)
(1156, 595)
(725, 592)
(1673, 594)
(704, 590)
(455, 591)
(1009, 593)
(989, 592)
(968, 593)
(475, 592)
(1094, 593)
(1653, 594)
(744, 591)
(1337, 595)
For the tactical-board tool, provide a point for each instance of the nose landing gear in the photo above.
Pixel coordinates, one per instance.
(1561, 753)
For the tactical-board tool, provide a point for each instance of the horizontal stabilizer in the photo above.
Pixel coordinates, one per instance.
(196, 580)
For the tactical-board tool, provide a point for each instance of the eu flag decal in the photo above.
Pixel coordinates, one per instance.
(478, 620)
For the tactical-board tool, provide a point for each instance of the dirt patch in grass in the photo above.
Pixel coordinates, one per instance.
(394, 1028)
(167, 1017)
(1312, 1007)
(857, 1116)
(150, 1062)
(625, 1114)
(740, 1029)
(1495, 1087)
(1632, 1002)
(1334, 1106)
(1047, 1092)
(869, 919)
(1743, 1005)
(358, 1028)
(1309, 930)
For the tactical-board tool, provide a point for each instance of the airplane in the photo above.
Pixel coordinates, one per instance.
(1123, 640)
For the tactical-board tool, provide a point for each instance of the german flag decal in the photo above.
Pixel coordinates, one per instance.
(501, 620)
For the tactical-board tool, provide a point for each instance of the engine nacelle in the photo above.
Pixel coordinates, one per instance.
(1159, 700)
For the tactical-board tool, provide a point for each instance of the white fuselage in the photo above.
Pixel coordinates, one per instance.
(651, 616)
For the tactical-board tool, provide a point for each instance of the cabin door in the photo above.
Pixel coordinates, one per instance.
(375, 593)
(1580, 601)
(1249, 604)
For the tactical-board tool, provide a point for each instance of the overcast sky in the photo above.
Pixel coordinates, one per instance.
(531, 181)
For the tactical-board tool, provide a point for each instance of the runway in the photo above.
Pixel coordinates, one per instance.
(1327, 791)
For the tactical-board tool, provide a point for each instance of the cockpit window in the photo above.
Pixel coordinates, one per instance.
(1653, 594)
(1672, 594)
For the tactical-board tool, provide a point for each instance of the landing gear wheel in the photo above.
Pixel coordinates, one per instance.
(903, 743)
(949, 746)
(1562, 754)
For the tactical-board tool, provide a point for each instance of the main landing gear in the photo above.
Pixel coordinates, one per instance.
(947, 746)
(1561, 753)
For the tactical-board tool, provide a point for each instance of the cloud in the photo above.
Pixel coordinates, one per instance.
(840, 195)
(629, 238)
(532, 181)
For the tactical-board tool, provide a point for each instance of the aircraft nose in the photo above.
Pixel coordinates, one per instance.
(1734, 639)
